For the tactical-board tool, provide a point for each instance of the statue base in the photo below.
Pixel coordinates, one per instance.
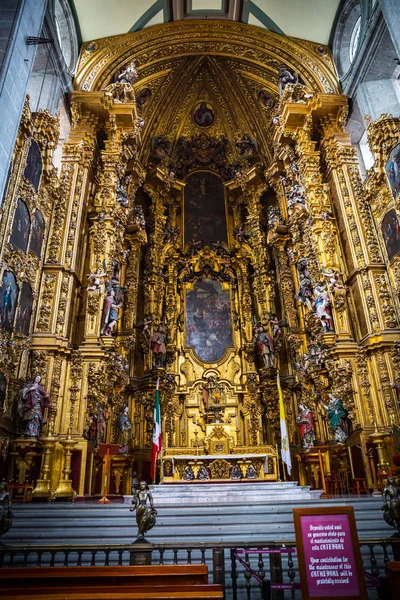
(141, 552)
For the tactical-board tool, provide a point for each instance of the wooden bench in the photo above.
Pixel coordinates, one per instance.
(182, 582)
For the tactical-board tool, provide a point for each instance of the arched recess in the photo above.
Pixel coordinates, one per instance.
(224, 63)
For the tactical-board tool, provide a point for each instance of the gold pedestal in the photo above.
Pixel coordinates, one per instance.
(64, 489)
(43, 484)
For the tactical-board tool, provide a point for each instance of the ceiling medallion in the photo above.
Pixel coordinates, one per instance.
(266, 99)
(203, 115)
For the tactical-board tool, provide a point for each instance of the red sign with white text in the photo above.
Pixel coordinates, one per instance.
(329, 553)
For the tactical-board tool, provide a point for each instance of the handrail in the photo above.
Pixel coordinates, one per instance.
(181, 545)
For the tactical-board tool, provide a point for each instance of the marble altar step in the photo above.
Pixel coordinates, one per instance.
(238, 513)
(217, 493)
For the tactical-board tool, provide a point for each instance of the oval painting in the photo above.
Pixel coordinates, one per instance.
(203, 115)
(208, 320)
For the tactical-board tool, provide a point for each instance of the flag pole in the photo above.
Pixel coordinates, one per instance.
(285, 449)
(157, 435)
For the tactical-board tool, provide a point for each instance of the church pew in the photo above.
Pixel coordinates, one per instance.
(180, 582)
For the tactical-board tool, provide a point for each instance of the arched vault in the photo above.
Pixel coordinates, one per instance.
(226, 64)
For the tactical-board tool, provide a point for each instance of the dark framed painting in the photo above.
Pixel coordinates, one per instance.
(266, 99)
(21, 226)
(390, 228)
(205, 217)
(393, 170)
(24, 313)
(3, 390)
(203, 115)
(8, 300)
(34, 165)
(143, 97)
(208, 320)
(37, 236)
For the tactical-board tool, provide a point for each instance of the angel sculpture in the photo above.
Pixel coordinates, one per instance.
(128, 75)
(95, 279)
(145, 511)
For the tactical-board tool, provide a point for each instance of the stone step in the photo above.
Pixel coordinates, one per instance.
(237, 521)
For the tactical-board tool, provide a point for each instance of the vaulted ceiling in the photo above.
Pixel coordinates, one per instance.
(230, 67)
(306, 19)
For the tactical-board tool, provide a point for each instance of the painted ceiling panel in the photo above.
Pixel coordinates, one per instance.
(103, 18)
(306, 19)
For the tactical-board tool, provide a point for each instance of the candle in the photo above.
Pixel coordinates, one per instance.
(237, 420)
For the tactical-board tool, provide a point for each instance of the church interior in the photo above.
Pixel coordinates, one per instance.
(200, 256)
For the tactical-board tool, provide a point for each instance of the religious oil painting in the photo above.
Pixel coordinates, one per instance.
(266, 99)
(24, 310)
(204, 208)
(208, 320)
(143, 97)
(8, 300)
(34, 165)
(203, 115)
(21, 226)
(3, 390)
(37, 234)
(393, 170)
(391, 233)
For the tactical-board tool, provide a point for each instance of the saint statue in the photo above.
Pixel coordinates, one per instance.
(265, 347)
(34, 399)
(322, 306)
(391, 507)
(110, 313)
(158, 345)
(306, 425)
(125, 431)
(338, 420)
(6, 513)
(145, 511)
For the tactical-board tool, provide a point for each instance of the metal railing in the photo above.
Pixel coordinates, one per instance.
(250, 571)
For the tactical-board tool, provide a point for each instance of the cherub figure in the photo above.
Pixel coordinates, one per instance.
(95, 279)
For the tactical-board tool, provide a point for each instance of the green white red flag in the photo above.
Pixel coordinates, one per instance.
(157, 438)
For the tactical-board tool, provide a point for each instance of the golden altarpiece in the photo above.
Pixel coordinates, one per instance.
(208, 229)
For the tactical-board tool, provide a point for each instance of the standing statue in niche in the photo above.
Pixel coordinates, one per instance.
(34, 399)
(125, 431)
(337, 416)
(110, 313)
(305, 293)
(391, 507)
(265, 347)
(322, 306)
(6, 513)
(158, 345)
(145, 511)
(306, 425)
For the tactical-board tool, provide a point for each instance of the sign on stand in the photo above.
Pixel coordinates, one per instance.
(329, 553)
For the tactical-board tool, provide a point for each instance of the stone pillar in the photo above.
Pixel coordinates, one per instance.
(390, 10)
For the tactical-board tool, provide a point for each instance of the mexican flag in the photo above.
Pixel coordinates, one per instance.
(285, 450)
(157, 439)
